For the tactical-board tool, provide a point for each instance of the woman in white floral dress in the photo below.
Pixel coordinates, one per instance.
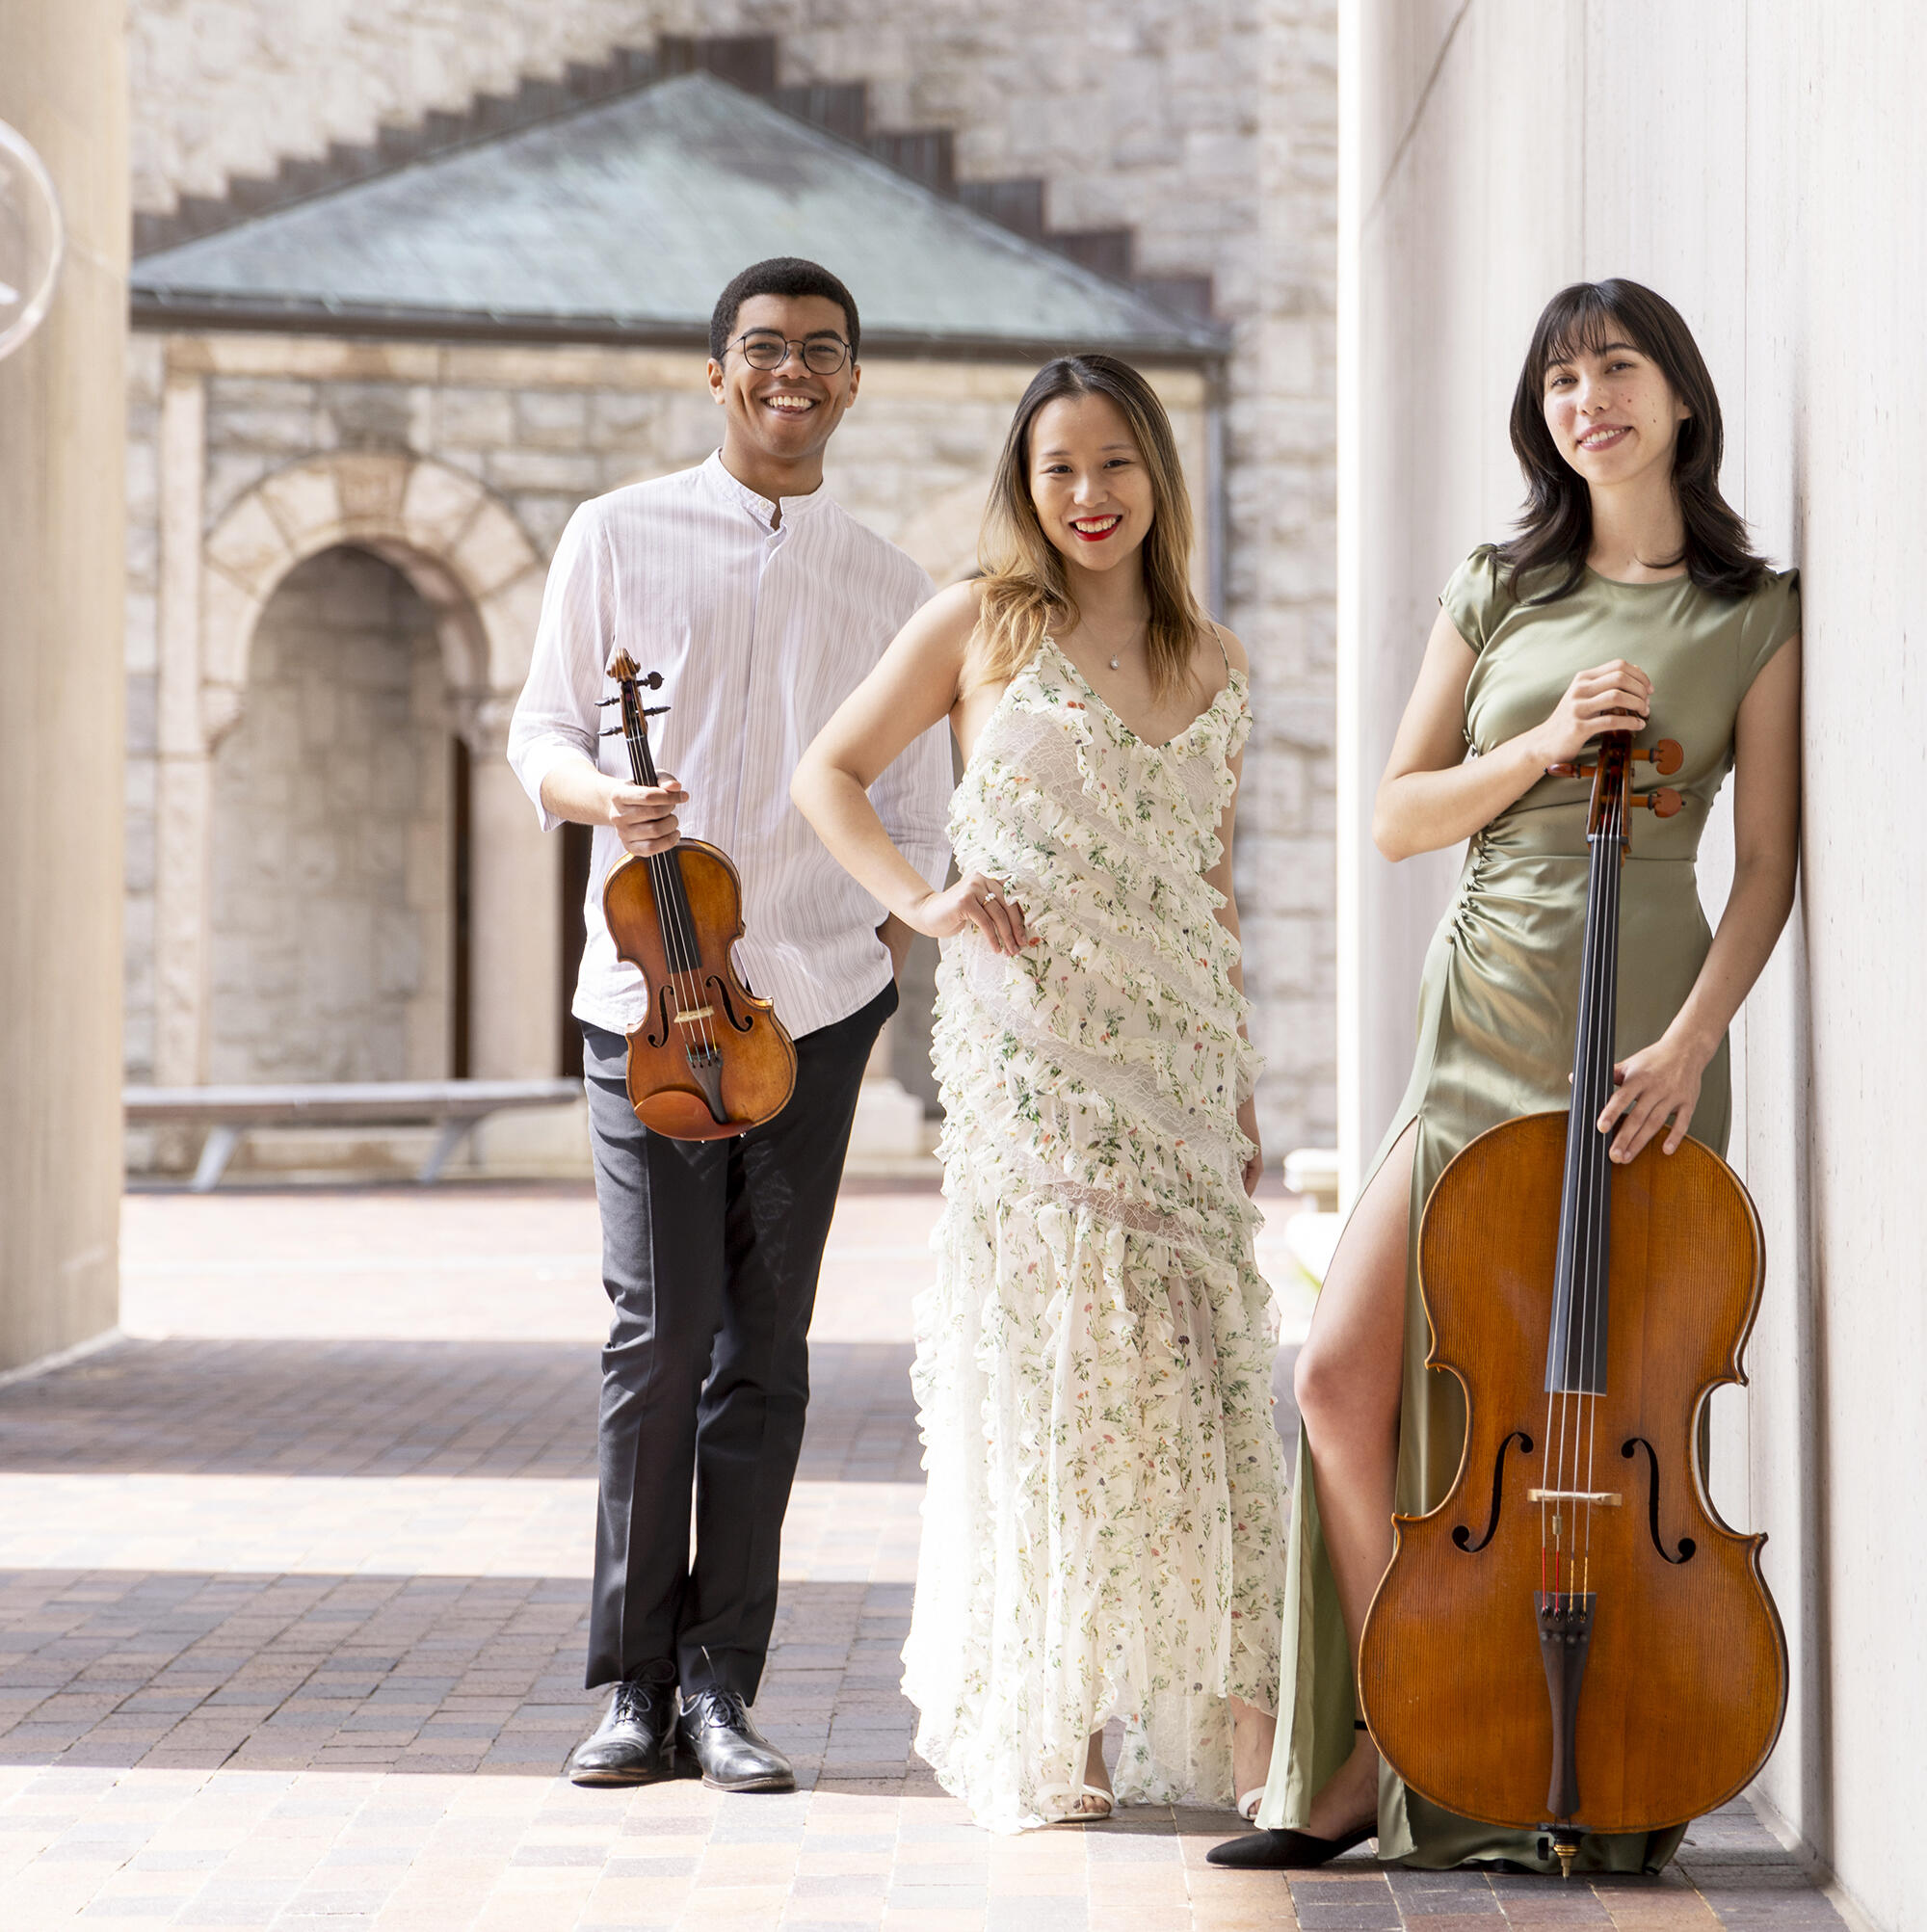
(1103, 1532)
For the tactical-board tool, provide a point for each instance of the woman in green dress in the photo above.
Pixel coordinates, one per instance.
(1630, 599)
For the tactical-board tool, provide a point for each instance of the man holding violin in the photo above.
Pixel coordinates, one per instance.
(763, 604)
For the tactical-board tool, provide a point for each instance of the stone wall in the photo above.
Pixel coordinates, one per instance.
(1209, 129)
(332, 868)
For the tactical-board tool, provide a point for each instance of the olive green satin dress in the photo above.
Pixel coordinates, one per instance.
(1498, 1011)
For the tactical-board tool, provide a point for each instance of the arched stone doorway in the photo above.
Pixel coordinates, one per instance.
(472, 569)
(334, 890)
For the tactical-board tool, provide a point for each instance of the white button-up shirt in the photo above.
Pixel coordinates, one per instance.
(760, 627)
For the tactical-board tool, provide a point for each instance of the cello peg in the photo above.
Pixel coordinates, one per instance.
(1566, 769)
(1662, 803)
(1665, 757)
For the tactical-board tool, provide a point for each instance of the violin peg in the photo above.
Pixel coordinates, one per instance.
(1665, 757)
(1662, 803)
(654, 710)
(603, 704)
(610, 731)
(653, 680)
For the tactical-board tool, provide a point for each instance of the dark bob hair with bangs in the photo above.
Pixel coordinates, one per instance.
(1556, 525)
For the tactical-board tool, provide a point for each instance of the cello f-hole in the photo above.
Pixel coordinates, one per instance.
(1686, 1544)
(1463, 1535)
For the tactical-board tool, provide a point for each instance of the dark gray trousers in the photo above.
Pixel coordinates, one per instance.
(710, 1253)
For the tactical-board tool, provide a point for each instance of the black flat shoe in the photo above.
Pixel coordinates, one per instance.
(1286, 1852)
(635, 1743)
(715, 1729)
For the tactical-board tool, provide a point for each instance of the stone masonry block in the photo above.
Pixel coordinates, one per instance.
(305, 501)
(513, 469)
(552, 419)
(249, 545)
(474, 418)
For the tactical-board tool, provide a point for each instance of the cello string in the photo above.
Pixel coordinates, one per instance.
(1596, 1286)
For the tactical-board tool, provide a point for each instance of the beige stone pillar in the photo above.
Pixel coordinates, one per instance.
(62, 84)
(514, 933)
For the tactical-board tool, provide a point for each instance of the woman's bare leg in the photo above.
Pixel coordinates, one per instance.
(1253, 1732)
(1347, 1383)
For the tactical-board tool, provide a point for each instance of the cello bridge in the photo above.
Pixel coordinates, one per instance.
(1610, 1497)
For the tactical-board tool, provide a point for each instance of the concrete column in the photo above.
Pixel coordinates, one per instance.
(62, 84)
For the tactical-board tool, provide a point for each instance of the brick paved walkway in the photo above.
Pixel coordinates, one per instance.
(292, 1612)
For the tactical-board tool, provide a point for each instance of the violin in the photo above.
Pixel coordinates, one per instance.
(710, 1059)
(1573, 1641)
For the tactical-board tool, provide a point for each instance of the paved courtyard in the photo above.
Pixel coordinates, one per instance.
(293, 1603)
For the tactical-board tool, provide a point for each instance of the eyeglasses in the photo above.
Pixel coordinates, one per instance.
(765, 349)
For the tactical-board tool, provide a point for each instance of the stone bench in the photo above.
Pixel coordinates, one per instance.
(455, 1106)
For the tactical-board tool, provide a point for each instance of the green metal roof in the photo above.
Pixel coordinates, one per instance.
(624, 220)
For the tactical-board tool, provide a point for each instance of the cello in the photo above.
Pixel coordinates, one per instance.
(1573, 1641)
(709, 1059)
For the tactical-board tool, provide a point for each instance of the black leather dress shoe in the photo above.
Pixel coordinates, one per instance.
(635, 1743)
(715, 1729)
(1286, 1852)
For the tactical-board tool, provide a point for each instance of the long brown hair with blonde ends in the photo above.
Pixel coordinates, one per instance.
(1025, 592)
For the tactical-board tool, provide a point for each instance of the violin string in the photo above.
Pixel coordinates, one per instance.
(679, 942)
(674, 941)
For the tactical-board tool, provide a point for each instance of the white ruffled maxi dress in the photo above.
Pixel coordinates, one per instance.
(1103, 1529)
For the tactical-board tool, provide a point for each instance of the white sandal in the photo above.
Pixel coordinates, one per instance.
(1080, 1816)
(1248, 1802)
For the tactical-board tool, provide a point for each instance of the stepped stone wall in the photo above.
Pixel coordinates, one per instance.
(1206, 127)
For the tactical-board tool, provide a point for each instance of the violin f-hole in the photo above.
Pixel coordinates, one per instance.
(721, 990)
(1461, 1536)
(1686, 1544)
(666, 999)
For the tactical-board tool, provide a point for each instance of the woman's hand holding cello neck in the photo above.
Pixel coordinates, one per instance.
(1433, 796)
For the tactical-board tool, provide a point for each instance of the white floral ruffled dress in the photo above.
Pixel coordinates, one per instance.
(1103, 1532)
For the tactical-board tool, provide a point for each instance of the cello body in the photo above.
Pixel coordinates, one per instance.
(1573, 1641)
(1685, 1685)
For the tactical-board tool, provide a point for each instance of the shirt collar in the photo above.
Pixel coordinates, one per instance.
(794, 508)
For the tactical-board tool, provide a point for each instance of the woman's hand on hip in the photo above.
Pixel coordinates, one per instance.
(975, 900)
(1615, 696)
(1658, 1084)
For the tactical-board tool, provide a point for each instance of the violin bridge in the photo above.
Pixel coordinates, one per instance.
(1610, 1497)
(692, 1016)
